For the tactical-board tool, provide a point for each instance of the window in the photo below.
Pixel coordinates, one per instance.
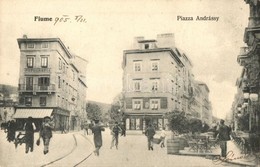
(146, 46)
(155, 84)
(44, 62)
(137, 66)
(155, 65)
(45, 45)
(30, 45)
(64, 67)
(30, 62)
(137, 85)
(154, 104)
(59, 82)
(137, 104)
(42, 101)
(29, 83)
(28, 101)
(60, 64)
(43, 83)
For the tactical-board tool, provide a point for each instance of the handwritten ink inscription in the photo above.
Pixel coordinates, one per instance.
(62, 19)
(230, 157)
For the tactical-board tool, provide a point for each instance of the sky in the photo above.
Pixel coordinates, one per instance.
(109, 28)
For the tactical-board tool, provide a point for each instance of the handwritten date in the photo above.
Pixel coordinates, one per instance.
(68, 19)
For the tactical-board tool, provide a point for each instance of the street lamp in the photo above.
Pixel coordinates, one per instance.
(239, 107)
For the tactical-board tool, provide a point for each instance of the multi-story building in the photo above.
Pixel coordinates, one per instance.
(157, 79)
(50, 83)
(200, 105)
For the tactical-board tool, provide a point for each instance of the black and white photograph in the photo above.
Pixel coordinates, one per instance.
(141, 83)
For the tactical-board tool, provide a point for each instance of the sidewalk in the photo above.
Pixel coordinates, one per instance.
(60, 145)
(234, 155)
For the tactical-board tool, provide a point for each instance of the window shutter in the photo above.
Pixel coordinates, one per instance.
(145, 101)
(164, 102)
(128, 102)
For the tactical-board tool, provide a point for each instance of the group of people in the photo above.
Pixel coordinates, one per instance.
(45, 133)
(150, 132)
(97, 129)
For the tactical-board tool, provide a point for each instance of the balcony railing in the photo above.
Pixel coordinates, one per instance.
(37, 70)
(36, 88)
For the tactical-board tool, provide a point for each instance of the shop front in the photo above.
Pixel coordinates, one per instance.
(139, 122)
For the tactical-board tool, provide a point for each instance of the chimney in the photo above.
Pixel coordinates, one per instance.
(165, 40)
(25, 36)
(137, 45)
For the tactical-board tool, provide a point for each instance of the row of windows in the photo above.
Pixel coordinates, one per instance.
(31, 61)
(138, 66)
(44, 45)
(42, 81)
(154, 84)
(28, 101)
(64, 69)
(153, 105)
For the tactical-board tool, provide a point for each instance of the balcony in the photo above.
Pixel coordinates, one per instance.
(36, 88)
(39, 71)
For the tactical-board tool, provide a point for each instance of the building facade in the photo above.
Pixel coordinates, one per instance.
(157, 80)
(50, 83)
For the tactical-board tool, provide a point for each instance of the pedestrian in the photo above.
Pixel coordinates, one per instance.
(150, 132)
(115, 133)
(123, 128)
(46, 132)
(204, 127)
(29, 128)
(85, 128)
(162, 137)
(223, 136)
(11, 129)
(96, 130)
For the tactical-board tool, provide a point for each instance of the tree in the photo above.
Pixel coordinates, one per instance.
(115, 113)
(93, 111)
(194, 125)
(178, 122)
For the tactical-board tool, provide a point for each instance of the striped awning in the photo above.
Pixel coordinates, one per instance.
(35, 113)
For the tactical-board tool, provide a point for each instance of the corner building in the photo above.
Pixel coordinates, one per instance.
(51, 83)
(157, 79)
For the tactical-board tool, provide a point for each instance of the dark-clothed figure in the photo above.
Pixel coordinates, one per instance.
(46, 133)
(150, 132)
(86, 127)
(29, 128)
(115, 133)
(11, 128)
(223, 136)
(123, 128)
(204, 127)
(96, 130)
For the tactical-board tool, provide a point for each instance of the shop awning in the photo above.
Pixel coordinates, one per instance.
(35, 113)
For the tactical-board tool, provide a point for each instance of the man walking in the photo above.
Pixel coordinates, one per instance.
(96, 130)
(46, 133)
(29, 128)
(223, 136)
(150, 132)
(115, 133)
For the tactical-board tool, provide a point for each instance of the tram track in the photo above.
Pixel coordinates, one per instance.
(76, 146)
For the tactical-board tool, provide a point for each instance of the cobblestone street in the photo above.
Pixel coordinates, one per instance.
(65, 150)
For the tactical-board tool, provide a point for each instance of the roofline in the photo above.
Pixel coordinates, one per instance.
(20, 40)
(74, 67)
(82, 82)
(81, 58)
(204, 85)
(146, 40)
(155, 50)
